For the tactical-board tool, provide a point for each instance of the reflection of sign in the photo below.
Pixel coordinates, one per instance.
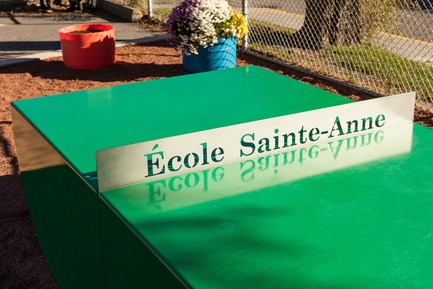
(152, 160)
(270, 170)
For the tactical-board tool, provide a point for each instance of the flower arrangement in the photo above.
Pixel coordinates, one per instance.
(195, 23)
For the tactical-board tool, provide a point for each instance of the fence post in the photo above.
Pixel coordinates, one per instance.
(150, 8)
(245, 13)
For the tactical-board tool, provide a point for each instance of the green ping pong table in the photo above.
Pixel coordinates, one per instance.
(349, 213)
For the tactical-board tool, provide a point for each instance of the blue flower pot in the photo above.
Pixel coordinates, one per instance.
(221, 55)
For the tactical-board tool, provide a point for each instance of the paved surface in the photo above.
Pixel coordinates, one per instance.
(411, 38)
(29, 36)
(25, 36)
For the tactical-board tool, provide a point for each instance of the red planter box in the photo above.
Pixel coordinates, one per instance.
(88, 46)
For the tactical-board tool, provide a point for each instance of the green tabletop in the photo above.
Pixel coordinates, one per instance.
(369, 225)
(79, 123)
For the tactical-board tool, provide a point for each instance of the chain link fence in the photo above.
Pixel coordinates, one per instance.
(384, 46)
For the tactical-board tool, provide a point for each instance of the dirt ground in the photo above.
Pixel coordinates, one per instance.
(22, 264)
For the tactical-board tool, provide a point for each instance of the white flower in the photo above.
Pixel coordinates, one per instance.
(202, 25)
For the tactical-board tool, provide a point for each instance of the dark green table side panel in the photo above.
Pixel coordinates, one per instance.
(65, 215)
(79, 123)
(63, 208)
(128, 262)
(366, 226)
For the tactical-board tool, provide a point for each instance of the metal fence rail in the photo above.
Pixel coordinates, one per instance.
(385, 46)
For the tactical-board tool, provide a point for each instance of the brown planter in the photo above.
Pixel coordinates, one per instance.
(88, 46)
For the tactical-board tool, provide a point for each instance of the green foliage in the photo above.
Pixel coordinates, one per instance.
(139, 4)
(380, 15)
(268, 39)
(257, 24)
(377, 15)
(161, 14)
(264, 32)
(398, 73)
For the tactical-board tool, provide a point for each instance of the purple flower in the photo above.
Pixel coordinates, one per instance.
(180, 14)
